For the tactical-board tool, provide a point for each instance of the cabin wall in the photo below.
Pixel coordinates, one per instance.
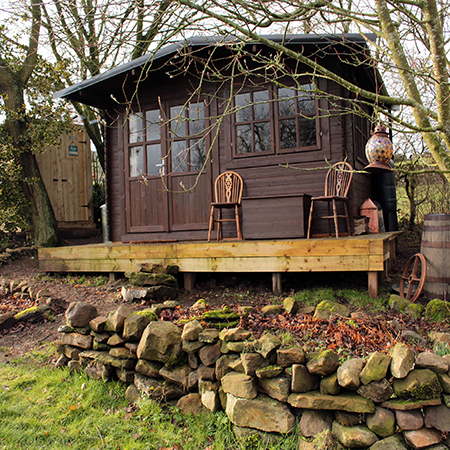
(275, 198)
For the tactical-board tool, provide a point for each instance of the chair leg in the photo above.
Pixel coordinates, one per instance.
(211, 223)
(348, 219)
(219, 223)
(310, 219)
(336, 224)
(329, 220)
(238, 224)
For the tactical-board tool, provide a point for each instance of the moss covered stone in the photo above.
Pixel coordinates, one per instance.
(151, 279)
(402, 305)
(437, 310)
(327, 309)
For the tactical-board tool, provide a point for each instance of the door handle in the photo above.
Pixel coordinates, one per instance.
(162, 167)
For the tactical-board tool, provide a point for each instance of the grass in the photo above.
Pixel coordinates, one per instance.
(51, 408)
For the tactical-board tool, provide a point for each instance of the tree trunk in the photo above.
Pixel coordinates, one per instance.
(45, 231)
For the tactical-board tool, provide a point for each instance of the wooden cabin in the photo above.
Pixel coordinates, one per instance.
(67, 174)
(166, 144)
(177, 119)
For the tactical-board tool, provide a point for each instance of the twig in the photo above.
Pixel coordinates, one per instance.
(100, 435)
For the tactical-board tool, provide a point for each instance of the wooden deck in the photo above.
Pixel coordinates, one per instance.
(369, 253)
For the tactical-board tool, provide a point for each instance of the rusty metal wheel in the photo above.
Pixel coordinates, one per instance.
(414, 274)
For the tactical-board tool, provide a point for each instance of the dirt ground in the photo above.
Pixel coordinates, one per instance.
(218, 290)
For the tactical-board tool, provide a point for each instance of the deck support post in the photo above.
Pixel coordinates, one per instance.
(112, 277)
(276, 283)
(373, 284)
(189, 280)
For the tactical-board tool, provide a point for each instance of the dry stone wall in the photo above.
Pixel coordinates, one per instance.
(387, 401)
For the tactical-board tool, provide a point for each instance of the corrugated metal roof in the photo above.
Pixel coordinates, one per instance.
(72, 92)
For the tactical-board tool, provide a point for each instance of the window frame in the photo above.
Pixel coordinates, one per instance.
(275, 120)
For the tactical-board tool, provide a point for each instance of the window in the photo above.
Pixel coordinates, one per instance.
(187, 130)
(292, 113)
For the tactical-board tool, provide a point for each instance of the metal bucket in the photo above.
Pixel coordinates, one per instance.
(436, 249)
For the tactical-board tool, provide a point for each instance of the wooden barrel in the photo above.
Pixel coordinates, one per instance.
(436, 249)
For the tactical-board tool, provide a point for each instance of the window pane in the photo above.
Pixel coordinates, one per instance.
(153, 125)
(153, 158)
(136, 161)
(242, 101)
(288, 133)
(244, 139)
(135, 124)
(306, 104)
(198, 154)
(261, 111)
(179, 156)
(308, 134)
(196, 118)
(286, 104)
(177, 121)
(263, 139)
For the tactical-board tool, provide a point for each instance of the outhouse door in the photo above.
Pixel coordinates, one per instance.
(168, 171)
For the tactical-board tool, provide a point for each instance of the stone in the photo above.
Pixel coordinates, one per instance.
(151, 279)
(199, 305)
(267, 345)
(64, 328)
(158, 390)
(105, 358)
(272, 310)
(79, 314)
(413, 337)
(122, 353)
(428, 360)
(7, 321)
(124, 375)
(176, 374)
(421, 384)
(209, 336)
(246, 434)
(98, 324)
(159, 268)
(348, 373)
(132, 294)
(239, 385)
(303, 380)
(376, 368)
(134, 325)
(377, 391)
(234, 347)
(269, 371)
(223, 365)
(191, 330)
(192, 381)
(75, 366)
(100, 337)
(193, 361)
(42, 293)
(354, 437)
(410, 404)
(132, 394)
(191, 346)
(323, 364)
(99, 346)
(99, 371)
(437, 417)
(314, 422)
(422, 438)
(345, 402)
(263, 413)
(251, 362)
(190, 404)
(62, 361)
(162, 292)
(34, 314)
(437, 310)
(278, 388)
(327, 310)
(161, 341)
(444, 379)
(234, 334)
(409, 420)
(349, 419)
(402, 360)
(132, 346)
(405, 306)
(209, 395)
(288, 356)
(82, 330)
(206, 373)
(290, 305)
(77, 340)
(329, 385)
(394, 442)
(116, 319)
(115, 339)
(209, 354)
(381, 422)
(72, 352)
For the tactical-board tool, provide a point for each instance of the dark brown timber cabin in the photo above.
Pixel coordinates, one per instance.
(194, 109)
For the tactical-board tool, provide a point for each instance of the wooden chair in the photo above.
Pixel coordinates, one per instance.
(228, 194)
(337, 184)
